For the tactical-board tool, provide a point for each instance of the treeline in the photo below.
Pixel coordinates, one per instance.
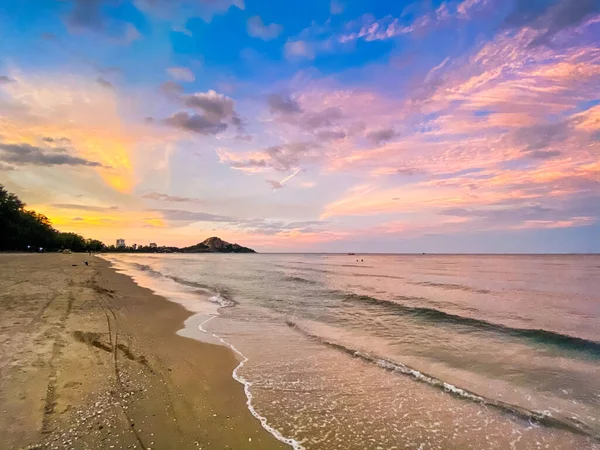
(140, 249)
(24, 230)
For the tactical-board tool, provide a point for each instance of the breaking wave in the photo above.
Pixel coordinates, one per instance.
(216, 295)
(300, 280)
(451, 287)
(541, 417)
(435, 315)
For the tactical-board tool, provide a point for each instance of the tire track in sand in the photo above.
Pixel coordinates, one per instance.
(113, 332)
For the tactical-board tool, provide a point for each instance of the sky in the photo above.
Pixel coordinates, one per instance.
(314, 126)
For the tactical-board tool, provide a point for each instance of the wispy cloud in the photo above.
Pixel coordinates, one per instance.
(168, 198)
(282, 158)
(84, 207)
(256, 28)
(25, 154)
(5, 80)
(181, 74)
(104, 82)
(336, 7)
(298, 50)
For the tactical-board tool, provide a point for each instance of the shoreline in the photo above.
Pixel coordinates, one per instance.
(199, 315)
(92, 360)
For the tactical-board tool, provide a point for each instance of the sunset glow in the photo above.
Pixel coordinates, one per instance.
(408, 126)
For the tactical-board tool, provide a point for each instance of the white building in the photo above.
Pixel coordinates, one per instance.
(120, 243)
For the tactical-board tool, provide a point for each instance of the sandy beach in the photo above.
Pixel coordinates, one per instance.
(88, 359)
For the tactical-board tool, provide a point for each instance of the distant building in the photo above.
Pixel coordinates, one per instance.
(120, 243)
(134, 246)
(153, 245)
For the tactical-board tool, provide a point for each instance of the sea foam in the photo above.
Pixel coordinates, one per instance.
(249, 397)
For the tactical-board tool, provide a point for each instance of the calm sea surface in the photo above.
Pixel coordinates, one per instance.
(401, 351)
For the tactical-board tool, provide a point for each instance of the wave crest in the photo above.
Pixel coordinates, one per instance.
(435, 315)
(543, 418)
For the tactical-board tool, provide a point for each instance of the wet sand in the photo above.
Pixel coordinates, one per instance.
(88, 359)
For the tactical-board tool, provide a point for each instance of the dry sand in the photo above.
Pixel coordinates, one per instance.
(90, 360)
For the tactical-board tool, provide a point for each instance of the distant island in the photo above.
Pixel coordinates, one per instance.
(210, 245)
(216, 245)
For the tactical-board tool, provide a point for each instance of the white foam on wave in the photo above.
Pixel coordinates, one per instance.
(249, 397)
(222, 302)
(399, 367)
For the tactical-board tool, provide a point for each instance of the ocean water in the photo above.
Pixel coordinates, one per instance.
(401, 351)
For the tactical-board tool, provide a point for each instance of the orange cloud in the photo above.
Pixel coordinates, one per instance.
(84, 112)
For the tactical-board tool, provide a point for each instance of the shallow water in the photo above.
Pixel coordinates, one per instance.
(402, 351)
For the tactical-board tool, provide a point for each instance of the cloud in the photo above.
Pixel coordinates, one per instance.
(324, 118)
(85, 207)
(544, 154)
(181, 74)
(205, 9)
(6, 168)
(47, 103)
(195, 122)
(103, 82)
(251, 226)
(279, 103)
(6, 80)
(275, 184)
(26, 154)
(382, 135)
(167, 198)
(330, 135)
(218, 111)
(336, 7)
(540, 136)
(282, 157)
(86, 14)
(183, 30)
(410, 171)
(370, 29)
(248, 163)
(216, 106)
(550, 17)
(90, 15)
(520, 214)
(131, 34)
(171, 88)
(285, 157)
(110, 70)
(61, 140)
(299, 49)
(192, 216)
(465, 9)
(256, 28)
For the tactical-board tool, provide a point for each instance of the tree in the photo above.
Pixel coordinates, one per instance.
(94, 245)
(11, 208)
